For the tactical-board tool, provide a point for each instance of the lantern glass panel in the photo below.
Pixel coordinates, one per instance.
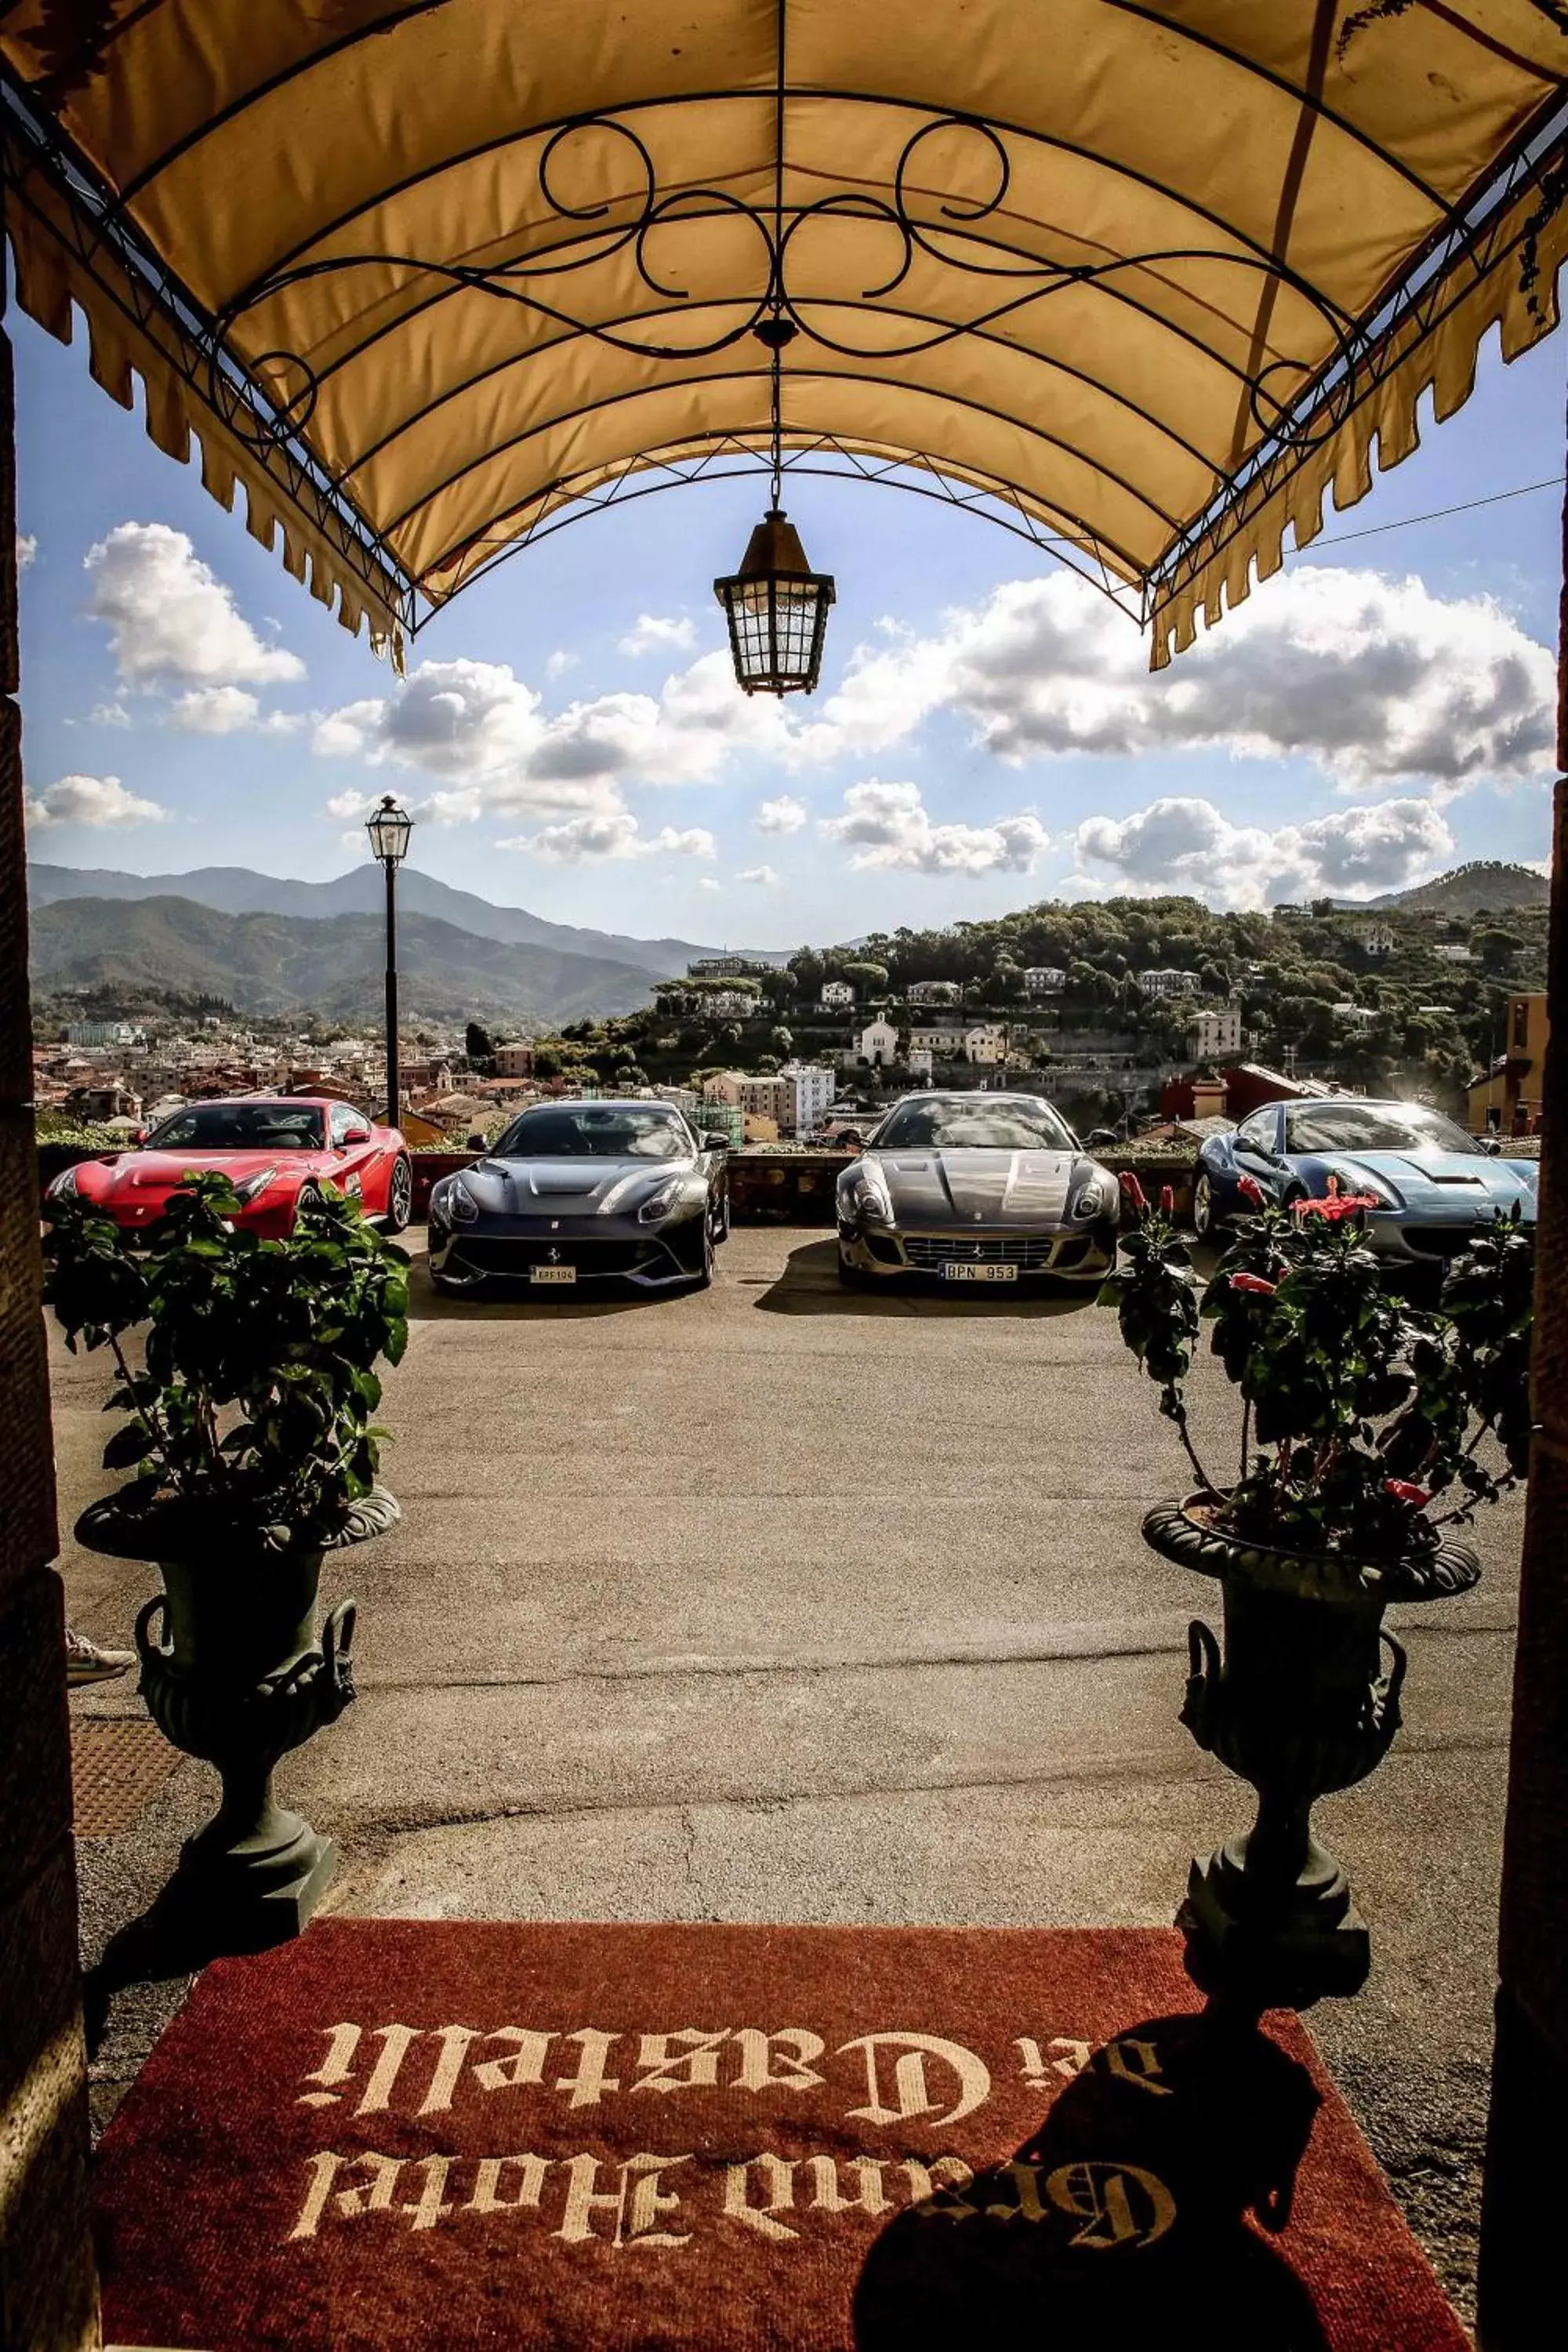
(389, 830)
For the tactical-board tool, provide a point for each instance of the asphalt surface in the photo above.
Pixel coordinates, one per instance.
(778, 1601)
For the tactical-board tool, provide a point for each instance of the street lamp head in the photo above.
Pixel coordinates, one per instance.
(777, 610)
(389, 829)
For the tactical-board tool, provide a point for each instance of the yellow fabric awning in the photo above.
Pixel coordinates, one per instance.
(1157, 276)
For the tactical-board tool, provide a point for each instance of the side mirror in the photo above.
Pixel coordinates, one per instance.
(478, 1143)
(357, 1133)
(714, 1141)
(1101, 1135)
(139, 1135)
(1492, 1148)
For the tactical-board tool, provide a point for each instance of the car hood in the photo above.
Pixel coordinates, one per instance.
(977, 1187)
(162, 1172)
(567, 1188)
(1446, 1186)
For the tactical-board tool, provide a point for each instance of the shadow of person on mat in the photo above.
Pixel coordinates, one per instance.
(1122, 2225)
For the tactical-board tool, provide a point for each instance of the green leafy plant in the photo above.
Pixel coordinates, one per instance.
(255, 1402)
(1359, 1410)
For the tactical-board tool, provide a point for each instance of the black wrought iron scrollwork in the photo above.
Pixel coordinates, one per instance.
(955, 233)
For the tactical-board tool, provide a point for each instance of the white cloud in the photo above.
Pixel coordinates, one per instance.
(706, 882)
(786, 815)
(559, 662)
(586, 840)
(1181, 845)
(764, 877)
(888, 826)
(484, 734)
(227, 710)
(650, 635)
(170, 618)
(1378, 681)
(108, 714)
(27, 549)
(91, 799)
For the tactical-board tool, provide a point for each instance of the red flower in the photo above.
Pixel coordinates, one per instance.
(1416, 1496)
(1253, 1283)
(1167, 1201)
(1132, 1193)
(1338, 1205)
(1251, 1190)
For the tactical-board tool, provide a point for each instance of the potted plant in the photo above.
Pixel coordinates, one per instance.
(249, 1431)
(1365, 1427)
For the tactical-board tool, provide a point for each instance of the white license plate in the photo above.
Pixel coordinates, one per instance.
(552, 1274)
(952, 1273)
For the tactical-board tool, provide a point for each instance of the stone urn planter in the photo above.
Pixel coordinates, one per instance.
(235, 1671)
(1302, 1701)
(248, 1423)
(1369, 1429)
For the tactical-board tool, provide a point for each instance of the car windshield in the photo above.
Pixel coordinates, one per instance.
(594, 1132)
(975, 1123)
(240, 1127)
(1375, 1127)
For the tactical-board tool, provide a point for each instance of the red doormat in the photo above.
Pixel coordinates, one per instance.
(398, 2134)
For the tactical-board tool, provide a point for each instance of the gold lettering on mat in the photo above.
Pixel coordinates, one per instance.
(901, 2085)
(1104, 2206)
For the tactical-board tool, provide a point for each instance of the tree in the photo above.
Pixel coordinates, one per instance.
(866, 977)
(782, 1041)
(478, 1044)
(1496, 948)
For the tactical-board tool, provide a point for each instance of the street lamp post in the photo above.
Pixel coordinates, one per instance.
(389, 829)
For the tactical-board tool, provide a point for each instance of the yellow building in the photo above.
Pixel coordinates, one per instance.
(1506, 1101)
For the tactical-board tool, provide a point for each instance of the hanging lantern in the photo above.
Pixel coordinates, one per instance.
(776, 606)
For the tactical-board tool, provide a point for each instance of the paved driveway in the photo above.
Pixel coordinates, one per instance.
(780, 1602)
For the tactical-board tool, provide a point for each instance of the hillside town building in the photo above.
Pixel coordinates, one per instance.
(1211, 1035)
(1506, 1098)
(877, 1044)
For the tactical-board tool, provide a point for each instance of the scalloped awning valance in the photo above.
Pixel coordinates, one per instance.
(1152, 279)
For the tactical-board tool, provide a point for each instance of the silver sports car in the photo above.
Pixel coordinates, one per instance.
(581, 1192)
(976, 1188)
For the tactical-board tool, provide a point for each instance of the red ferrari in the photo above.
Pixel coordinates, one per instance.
(275, 1153)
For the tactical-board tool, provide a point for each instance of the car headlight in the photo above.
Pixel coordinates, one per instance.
(458, 1203)
(249, 1187)
(870, 1203)
(660, 1203)
(64, 1186)
(1094, 1196)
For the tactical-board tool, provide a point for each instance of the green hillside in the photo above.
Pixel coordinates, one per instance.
(1487, 886)
(274, 963)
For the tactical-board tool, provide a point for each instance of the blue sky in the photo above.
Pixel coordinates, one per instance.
(985, 735)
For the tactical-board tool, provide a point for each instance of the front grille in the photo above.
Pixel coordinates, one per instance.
(1440, 1240)
(498, 1253)
(1030, 1253)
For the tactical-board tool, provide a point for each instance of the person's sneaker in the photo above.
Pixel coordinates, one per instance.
(87, 1663)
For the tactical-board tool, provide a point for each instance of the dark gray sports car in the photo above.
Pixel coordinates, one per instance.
(976, 1188)
(581, 1192)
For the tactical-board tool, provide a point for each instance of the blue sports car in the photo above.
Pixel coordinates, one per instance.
(1434, 1184)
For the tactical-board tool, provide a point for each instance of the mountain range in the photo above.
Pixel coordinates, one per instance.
(263, 963)
(237, 890)
(269, 944)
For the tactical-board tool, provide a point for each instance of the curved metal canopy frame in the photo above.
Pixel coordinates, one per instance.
(978, 270)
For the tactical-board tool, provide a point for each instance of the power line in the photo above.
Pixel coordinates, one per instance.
(1376, 530)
